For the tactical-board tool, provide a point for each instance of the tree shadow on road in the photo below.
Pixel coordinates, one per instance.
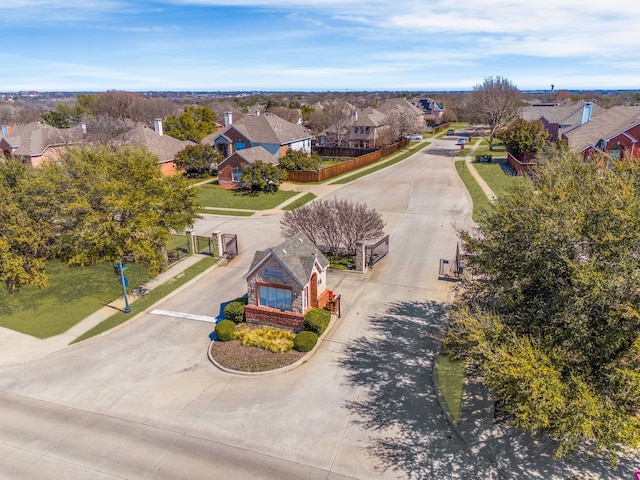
(409, 432)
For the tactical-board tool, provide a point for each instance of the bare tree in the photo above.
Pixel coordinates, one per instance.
(340, 118)
(401, 123)
(334, 224)
(495, 103)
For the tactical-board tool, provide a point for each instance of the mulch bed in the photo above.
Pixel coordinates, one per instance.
(235, 356)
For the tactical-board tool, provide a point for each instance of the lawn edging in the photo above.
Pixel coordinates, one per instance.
(440, 400)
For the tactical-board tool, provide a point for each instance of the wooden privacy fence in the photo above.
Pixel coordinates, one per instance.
(306, 176)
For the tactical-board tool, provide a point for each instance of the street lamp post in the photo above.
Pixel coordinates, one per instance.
(125, 282)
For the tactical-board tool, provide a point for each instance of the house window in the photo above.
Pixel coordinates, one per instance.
(237, 175)
(275, 297)
(240, 146)
(616, 152)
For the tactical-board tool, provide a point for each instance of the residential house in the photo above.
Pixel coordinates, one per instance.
(269, 131)
(285, 281)
(560, 118)
(36, 142)
(615, 131)
(432, 109)
(366, 128)
(407, 110)
(164, 146)
(231, 168)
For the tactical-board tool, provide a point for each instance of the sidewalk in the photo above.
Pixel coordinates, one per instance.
(474, 173)
(18, 347)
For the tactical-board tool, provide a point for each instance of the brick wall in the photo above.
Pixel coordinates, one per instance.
(272, 316)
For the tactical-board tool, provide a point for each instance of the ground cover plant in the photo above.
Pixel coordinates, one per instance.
(303, 200)
(273, 339)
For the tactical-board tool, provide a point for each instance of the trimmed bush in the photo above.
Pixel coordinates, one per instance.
(234, 311)
(317, 320)
(305, 341)
(226, 330)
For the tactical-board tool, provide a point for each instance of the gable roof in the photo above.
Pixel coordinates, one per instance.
(251, 155)
(267, 129)
(401, 104)
(32, 139)
(298, 255)
(566, 116)
(370, 117)
(164, 146)
(608, 123)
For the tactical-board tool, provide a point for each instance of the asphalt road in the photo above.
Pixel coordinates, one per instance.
(144, 402)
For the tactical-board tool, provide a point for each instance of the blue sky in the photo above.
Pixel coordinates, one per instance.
(311, 45)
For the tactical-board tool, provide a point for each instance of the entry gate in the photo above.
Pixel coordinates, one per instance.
(205, 246)
(376, 252)
(229, 245)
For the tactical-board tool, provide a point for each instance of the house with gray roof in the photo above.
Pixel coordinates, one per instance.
(286, 281)
(165, 147)
(615, 131)
(37, 142)
(560, 118)
(366, 128)
(269, 131)
(231, 168)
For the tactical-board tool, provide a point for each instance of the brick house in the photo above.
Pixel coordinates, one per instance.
(271, 132)
(36, 142)
(286, 281)
(163, 146)
(560, 118)
(230, 169)
(615, 131)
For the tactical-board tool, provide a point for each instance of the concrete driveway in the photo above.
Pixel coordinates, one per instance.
(143, 401)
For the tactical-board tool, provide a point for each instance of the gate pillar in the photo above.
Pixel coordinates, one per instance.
(190, 247)
(361, 258)
(219, 244)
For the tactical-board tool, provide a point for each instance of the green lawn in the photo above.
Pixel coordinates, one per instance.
(235, 213)
(480, 201)
(72, 294)
(211, 196)
(149, 299)
(451, 376)
(496, 178)
(306, 198)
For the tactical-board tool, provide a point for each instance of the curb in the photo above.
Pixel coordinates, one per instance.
(275, 371)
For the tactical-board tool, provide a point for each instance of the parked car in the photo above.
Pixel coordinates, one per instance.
(415, 137)
(451, 132)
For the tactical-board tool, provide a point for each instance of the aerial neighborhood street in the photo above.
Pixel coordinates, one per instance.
(144, 400)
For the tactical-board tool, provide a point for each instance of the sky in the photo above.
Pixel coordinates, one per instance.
(317, 45)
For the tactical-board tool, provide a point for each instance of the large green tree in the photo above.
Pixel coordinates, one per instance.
(299, 160)
(194, 123)
(551, 310)
(198, 160)
(116, 202)
(263, 177)
(523, 138)
(23, 240)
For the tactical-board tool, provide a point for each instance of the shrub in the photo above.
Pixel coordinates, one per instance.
(317, 320)
(272, 339)
(305, 341)
(234, 311)
(226, 330)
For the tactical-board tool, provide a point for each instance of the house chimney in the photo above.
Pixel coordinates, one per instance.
(83, 128)
(228, 118)
(354, 116)
(257, 113)
(157, 124)
(586, 113)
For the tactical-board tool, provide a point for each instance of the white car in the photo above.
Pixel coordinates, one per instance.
(415, 137)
